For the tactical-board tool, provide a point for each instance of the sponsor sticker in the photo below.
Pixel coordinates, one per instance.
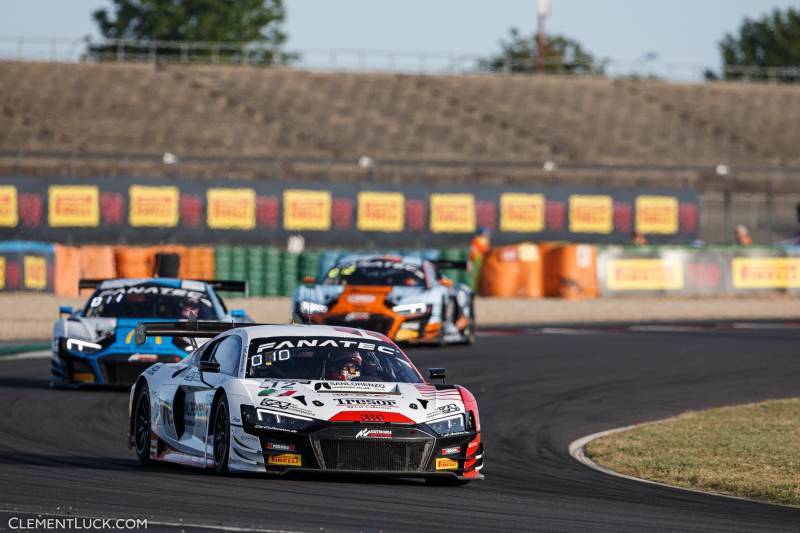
(285, 459)
(449, 408)
(360, 299)
(657, 214)
(452, 213)
(374, 434)
(445, 463)
(381, 211)
(280, 447)
(644, 274)
(766, 272)
(591, 214)
(306, 210)
(275, 404)
(156, 207)
(231, 208)
(521, 213)
(451, 451)
(9, 215)
(73, 206)
(35, 272)
(360, 402)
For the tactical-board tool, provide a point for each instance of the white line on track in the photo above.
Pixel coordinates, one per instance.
(577, 449)
(27, 355)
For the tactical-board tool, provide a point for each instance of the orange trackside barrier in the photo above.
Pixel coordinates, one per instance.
(512, 271)
(134, 262)
(97, 262)
(570, 272)
(198, 263)
(67, 270)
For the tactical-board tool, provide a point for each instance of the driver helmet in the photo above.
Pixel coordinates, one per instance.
(345, 366)
(191, 305)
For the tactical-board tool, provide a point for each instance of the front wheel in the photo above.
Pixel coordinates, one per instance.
(222, 436)
(142, 430)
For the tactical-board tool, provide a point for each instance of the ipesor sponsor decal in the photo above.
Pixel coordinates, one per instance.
(444, 463)
(365, 402)
(285, 459)
(374, 434)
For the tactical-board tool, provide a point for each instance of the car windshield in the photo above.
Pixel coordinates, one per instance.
(376, 272)
(149, 301)
(329, 358)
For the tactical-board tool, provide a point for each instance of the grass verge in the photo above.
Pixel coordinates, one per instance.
(751, 451)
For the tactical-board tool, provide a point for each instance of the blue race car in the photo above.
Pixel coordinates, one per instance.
(95, 344)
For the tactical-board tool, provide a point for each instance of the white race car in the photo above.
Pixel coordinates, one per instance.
(287, 398)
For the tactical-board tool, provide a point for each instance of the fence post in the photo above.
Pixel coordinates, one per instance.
(153, 53)
(120, 50)
(184, 53)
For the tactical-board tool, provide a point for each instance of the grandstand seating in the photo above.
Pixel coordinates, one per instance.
(237, 110)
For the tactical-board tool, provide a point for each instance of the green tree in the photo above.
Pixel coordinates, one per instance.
(562, 55)
(767, 48)
(225, 23)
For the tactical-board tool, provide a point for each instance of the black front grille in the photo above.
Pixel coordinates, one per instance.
(377, 323)
(368, 455)
(122, 373)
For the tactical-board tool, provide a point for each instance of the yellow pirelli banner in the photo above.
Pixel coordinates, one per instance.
(231, 208)
(34, 272)
(157, 207)
(521, 213)
(766, 272)
(589, 213)
(644, 274)
(9, 215)
(76, 206)
(453, 213)
(657, 215)
(307, 210)
(381, 211)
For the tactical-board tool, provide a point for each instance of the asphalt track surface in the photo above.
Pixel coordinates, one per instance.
(63, 452)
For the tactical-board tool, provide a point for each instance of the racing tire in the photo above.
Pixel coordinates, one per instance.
(469, 331)
(222, 436)
(142, 428)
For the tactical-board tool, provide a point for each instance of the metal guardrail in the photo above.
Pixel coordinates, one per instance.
(71, 49)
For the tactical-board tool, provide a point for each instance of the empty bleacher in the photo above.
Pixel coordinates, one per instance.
(230, 111)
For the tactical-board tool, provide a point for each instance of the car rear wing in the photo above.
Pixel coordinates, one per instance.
(192, 329)
(228, 285)
(446, 264)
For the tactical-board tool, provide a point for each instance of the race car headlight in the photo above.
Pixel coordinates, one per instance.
(454, 424)
(410, 309)
(293, 423)
(78, 345)
(311, 308)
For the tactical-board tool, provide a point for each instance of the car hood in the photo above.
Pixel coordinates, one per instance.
(342, 401)
(120, 330)
(90, 329)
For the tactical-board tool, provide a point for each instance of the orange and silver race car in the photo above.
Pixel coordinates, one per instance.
(408, 299)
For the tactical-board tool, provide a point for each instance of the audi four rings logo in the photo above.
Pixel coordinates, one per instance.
(372, 418)
(374, 434)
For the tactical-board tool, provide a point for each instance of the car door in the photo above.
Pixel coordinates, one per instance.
(195, 392)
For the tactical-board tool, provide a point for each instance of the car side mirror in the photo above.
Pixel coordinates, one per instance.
(447, 282)
(309, 280)
(238, 313)
(65, 310)
(437, 373)
(209, 366)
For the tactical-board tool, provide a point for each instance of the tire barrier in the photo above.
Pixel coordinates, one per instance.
(512, 272)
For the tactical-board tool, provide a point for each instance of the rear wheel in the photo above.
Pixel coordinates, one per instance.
(142, 425)
(222, 435)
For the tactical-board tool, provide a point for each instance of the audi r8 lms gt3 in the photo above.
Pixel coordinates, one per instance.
(407, 299)
(290, 398)
(94, 344)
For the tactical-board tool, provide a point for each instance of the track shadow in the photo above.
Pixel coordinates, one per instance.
(15, 457)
